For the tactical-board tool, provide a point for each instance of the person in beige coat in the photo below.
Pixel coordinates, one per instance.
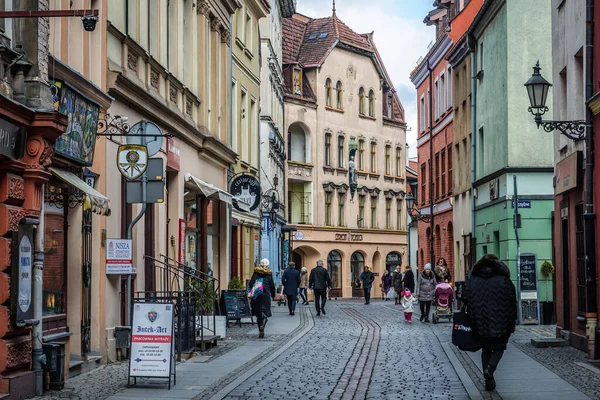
(304, 285)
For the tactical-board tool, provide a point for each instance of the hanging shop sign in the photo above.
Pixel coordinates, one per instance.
(152, 340)
(78, 142)
(22, 274)
(173, 154)
(119, 257)
(132, 160)
(182, 241)
(246, 188)
(12, 140)
(568, 173)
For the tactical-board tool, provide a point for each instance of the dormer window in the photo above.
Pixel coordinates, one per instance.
(390, 107)
(328, 92)
(298, 81)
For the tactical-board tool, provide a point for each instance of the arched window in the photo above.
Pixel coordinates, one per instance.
(371, 103)
(298, 144)
(334, 266)
(338, 89)
(357, 263)
(361, 101)
(328, 92)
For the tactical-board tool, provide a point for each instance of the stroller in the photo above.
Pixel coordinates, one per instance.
(443, 302)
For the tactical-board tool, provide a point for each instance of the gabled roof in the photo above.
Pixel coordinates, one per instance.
(308, 41)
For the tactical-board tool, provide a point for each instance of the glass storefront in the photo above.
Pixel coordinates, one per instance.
(54, 293)
(334, 266)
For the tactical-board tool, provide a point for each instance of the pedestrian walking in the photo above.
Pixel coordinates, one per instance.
(491, 303)
(441, 271)
(386, 284)
(408, 279)
(291, 284)
(261, 304)
(425, 291)
(406, 303)
(397, 283)
(319, 282)
(304, 285)
(366, 279)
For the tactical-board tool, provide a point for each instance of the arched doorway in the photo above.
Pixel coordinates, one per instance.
(297, 259)
(450, 250)
(334, 266)
(357, 264)
(437, 245)
(392, 260)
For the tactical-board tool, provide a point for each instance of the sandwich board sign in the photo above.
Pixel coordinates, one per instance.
(152, 343)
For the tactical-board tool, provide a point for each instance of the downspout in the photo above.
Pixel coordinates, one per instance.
(590, 216)
(473, 249)
(431, 223)
(230, 167)
(38, 280)
(127, 18)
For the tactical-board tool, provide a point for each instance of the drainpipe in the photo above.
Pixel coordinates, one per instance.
(590, 216)
(38, 278)
(431, 253)
(230, 168)
(473, 249)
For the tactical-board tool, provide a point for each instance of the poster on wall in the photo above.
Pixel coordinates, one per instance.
(151, 340)
(119, 257)
(256, 250)
(181, 241)
(22, 275)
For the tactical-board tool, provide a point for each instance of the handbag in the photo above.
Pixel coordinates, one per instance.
(391, 294)
(257, 289)
(462, 334)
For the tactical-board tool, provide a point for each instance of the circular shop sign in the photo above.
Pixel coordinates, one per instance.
(299, 235)
(246, 188)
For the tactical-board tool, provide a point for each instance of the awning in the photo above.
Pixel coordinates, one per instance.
(241, 205)
(94, 200)
(208, 190)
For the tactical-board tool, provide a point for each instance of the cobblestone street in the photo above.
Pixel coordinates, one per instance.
(353, 352)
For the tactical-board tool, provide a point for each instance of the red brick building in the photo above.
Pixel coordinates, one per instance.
(433, 80)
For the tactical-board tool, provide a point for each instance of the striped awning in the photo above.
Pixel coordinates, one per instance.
(94, 200)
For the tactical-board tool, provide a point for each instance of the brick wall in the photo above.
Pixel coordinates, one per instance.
(443, 242)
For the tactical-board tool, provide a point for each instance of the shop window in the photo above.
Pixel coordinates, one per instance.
(357, 264)
(334, 266)
(54, 294)
(213, 242)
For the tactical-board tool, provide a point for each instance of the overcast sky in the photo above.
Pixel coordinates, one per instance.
(400, 36)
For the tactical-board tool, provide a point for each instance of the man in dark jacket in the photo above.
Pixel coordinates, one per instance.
(291, 283)
(491, 300)
(367, 278)
(408, 279)
(319, 282)
(397, 283)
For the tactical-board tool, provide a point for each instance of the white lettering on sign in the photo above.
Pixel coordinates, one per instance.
(25, 274)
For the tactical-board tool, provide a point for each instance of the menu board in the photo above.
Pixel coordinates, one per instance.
(528, 272)
(236, 304)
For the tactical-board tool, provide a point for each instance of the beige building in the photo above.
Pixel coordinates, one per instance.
(244, 179)
(346, 152)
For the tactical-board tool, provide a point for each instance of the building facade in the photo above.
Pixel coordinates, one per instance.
(433, 79)
(504, 136)
(272, 139)
(346, 152)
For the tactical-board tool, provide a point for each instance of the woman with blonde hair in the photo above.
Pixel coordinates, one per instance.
(304, 286)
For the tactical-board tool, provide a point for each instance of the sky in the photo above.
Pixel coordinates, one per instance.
(400, 36)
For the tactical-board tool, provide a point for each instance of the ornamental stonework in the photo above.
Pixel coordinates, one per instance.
(188, 106)
(173, 94)
(132, 61)
(154, 79)
(18, 353)
(203, 8)
(16, 189)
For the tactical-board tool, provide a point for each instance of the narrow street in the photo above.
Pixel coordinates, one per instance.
(353, 352)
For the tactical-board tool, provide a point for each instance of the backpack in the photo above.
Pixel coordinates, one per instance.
(257, 289)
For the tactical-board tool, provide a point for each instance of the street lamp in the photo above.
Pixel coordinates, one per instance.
(413, 211)
(270, 203)
(537, 90)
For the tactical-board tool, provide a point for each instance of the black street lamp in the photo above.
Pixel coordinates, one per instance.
(537, 90)
(270, 203)
(413, 211)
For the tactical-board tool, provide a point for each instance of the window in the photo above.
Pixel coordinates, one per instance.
(437, 175)
(388, 160)
(373, 212)
(357, 264)
(361, 211)
(371, 103)
(480, 147)
(328, 92)
(457, 95)
(390, 107)
(428, 111)
(399, 214)
(388, 213)
(341, 205)
(436, 94)
(248, 38)
(449, 92)
(481, 56)
(361, 101)
(465, 84)
(297, 82)
(422, 114)
(328, 149)
(373, 157)
(340, 152)
(443, 106)
(334, 266)
(423, 182)
(580, 257)
(338, 89)
(450, 176)
(399, 161)
(361, 155)
(328, 196)
(443, 172)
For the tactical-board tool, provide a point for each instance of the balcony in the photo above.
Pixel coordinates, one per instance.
(300, 171)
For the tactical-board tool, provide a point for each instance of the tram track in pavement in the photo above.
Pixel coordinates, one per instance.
(353, 384)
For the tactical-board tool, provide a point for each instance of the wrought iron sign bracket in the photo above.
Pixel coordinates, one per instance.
(110, 126)
(574, 130)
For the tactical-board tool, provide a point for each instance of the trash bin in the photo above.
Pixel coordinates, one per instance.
(54, 370)
(123, 341)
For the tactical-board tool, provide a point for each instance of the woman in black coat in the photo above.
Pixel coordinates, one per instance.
(408, 279)
(397, 283)
(491, 301)
(261, 305)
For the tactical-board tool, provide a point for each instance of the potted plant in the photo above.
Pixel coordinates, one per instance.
(547, 270)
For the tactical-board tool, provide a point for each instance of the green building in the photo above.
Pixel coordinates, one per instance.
(508, 37)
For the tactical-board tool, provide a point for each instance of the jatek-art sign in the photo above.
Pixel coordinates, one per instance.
(246, 188)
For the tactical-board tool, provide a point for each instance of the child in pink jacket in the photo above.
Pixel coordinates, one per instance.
(406, 303)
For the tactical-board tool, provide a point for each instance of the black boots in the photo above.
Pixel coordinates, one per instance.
(490, 382)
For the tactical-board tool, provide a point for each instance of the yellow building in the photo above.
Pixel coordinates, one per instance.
(244, 182)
